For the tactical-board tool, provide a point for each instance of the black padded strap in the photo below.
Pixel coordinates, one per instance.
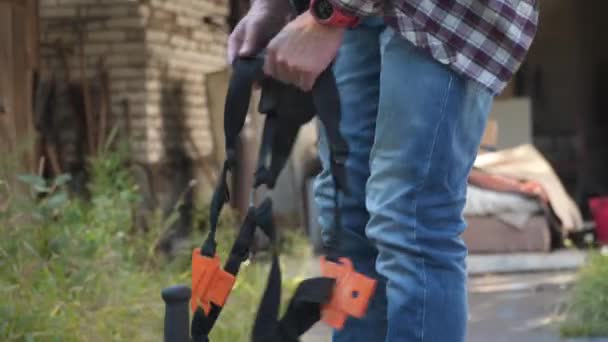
(245, 72)
(262, 172)
(256, 217)
(287, 109)
(220, 196)
(201, 324)
(327, 102)
(303, 312)
(266, 320)
(304, 309)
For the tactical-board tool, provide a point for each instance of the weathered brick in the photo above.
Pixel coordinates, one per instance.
(200, 134)
(122, 72)
(195, 77)
(152, 72)
(96, 25)
(115, 2)
(97, 48)
(118, 86)
(188, 21)
(117, 60)
(182, 43)
(133, 97)
(152, 85)
(199, 126)
(156, 37)
(192, 110)
(158, 13)
(152, 109)
(58, 12)
(169, 6)
(153, 133)
(195, 99)
(135, 35)
(202, 36)
(138, 144)
(128, 22)
(111, 11)
(136, 84)
(74, 2)
(65, 37)
(128, 47)
(106, 36)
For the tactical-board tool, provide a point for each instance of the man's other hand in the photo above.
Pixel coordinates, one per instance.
(263, 20)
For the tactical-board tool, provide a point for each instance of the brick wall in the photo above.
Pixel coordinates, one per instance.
(157, 53)
(182, 47)
(112, 30)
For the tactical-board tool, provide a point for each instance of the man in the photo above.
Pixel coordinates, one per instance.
(416, 80)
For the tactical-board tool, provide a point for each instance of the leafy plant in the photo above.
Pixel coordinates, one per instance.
(588, 310)
(74, 270)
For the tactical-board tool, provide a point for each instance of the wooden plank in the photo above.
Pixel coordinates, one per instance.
(16, 125)
(14, 3)
(6, 75)
(23, 87)
(2, 101)
(33, 40)
(33, 27)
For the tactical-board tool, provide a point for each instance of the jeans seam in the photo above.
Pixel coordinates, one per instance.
(426, 174)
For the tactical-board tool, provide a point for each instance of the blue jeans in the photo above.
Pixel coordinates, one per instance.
(413, 127)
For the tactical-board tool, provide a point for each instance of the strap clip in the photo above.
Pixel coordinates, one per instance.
(210, 283)
(351, 295)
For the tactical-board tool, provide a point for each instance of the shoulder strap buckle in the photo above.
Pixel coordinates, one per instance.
(210, 283)
(351, 295)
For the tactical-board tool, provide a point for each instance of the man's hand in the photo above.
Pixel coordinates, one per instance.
(301, 51)
(534, 189)
(263, 20)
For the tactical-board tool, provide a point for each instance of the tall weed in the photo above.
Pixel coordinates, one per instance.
(587, 314)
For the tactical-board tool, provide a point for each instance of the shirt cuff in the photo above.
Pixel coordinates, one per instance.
(359, 8)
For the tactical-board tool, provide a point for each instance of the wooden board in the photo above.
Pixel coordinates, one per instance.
(18, 62)
(6, 77)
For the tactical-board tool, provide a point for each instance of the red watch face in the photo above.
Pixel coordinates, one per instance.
(323, 9)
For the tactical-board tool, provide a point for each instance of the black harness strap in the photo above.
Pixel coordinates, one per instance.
(201, 323)
(304, 309)
(246, 71)
(280, 130)
(286, 108)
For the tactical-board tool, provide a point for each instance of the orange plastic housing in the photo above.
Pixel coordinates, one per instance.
(210, 283)
(351, 295)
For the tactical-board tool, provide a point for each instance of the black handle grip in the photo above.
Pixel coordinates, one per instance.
(177, 318)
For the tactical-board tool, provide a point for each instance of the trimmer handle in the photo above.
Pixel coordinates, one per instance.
(177, 317)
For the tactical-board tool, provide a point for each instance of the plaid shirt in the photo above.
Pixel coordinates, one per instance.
(485, 40)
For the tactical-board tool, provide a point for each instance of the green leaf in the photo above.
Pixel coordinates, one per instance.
(57, 200)
(62, 179)
(36, 182)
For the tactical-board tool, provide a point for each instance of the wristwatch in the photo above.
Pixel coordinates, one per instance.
(327, 14)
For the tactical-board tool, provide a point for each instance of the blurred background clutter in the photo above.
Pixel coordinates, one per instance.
(92, 88)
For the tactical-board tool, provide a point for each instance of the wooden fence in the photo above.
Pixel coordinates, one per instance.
(19, 63)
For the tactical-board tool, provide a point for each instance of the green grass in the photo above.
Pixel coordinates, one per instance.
(76, 271)
(587, 315)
